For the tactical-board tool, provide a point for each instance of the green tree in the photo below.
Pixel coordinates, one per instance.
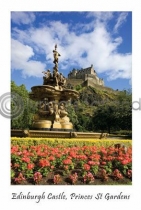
(105, 117)
(72, 115)
(24, 119)
(84, 122)
(114, 115)
(125, 109)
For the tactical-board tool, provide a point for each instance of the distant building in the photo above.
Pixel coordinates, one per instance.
(88, 75)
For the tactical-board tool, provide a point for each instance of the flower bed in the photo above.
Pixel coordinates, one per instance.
(50, 162)
(68, 142)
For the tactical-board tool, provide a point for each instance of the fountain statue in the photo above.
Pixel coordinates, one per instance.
(52, 98)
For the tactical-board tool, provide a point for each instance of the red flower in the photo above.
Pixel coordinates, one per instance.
(44, 163)
(103, 163)
(72, 154)
(25, 152)
(69, 157)
(30, 166)
(86, 167)
(26, 159)
(94, 157)
(92, 163)
(120, 158)
(51, 158)
(67, 161)
(14, 149)
(124, 162)
(58, 155)
(82, 157)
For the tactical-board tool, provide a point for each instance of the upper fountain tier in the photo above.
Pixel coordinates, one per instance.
(53, 86)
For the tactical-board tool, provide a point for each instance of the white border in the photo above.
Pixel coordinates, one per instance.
(6, 188)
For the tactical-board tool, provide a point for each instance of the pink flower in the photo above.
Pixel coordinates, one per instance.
(104, 175)
(129, 173)
(37, 177)
(88, 178)
(117, 174)
(74, 178)
(56, 179)
(52, 167)
(20, 178)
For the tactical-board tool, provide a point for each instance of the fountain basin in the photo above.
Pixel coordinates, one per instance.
(56, 93)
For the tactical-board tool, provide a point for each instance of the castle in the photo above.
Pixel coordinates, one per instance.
(87, 75)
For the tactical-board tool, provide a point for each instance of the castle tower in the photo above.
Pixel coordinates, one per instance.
(92, 71)
(74, 72)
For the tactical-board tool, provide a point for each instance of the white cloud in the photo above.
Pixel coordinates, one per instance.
(120, 67)
(100, 48)
(101, 16)
(20, 60)
(120, 20)
(22, 17)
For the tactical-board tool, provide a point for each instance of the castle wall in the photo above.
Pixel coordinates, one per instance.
(74, 82)
(80, 74)
(101, 82)
(93, 80)
(86, 74)
(90, 83)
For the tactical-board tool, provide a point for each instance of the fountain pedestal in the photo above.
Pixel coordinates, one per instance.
(42, 124)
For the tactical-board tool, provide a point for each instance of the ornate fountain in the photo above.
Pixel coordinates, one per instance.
(51, 119)
(52, 98)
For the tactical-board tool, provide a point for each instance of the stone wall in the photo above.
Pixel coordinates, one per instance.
(74, 82)
(90, 83)
(94, 79)
(86, 83)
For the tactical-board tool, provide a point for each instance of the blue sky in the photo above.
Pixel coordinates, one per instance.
(103, 39)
